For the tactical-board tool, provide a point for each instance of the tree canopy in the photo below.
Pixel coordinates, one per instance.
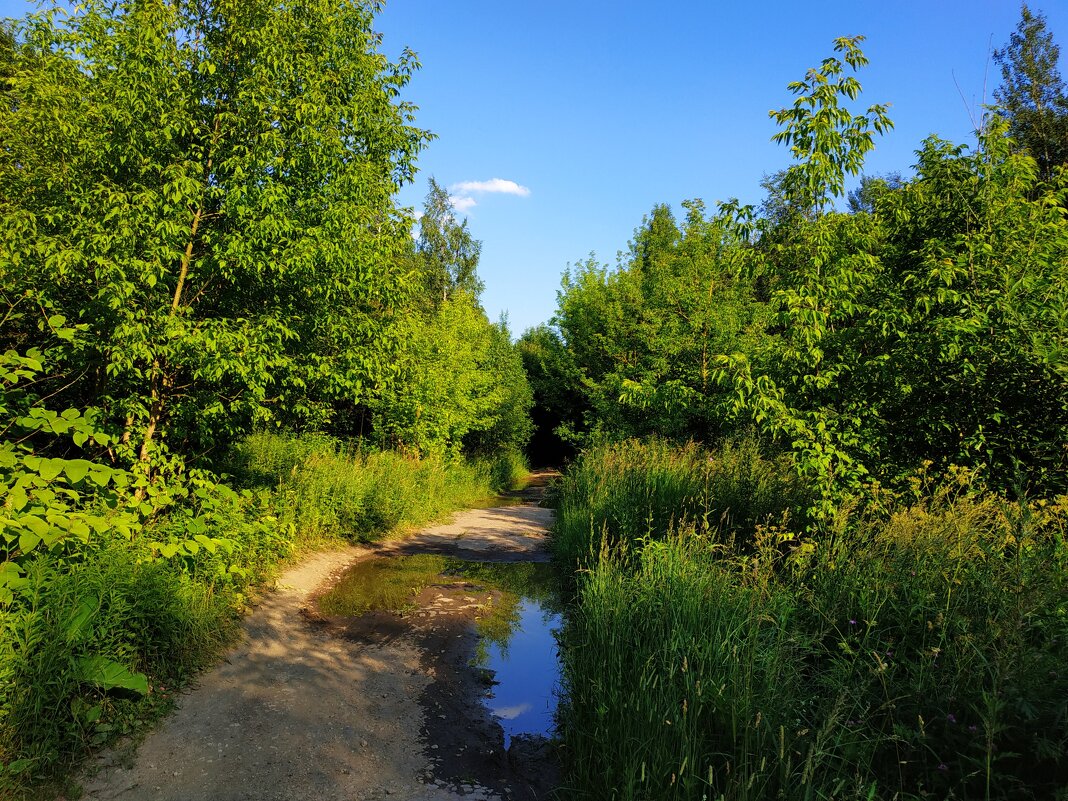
(208, 189)
(1032, 95)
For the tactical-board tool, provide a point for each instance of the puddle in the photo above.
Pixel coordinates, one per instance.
(514, 606)
(526, 668)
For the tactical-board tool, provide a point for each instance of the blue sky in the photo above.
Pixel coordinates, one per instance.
(601, 109)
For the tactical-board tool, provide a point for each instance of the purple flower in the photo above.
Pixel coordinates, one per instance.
(852, 621)
(944, 767)
(973, 728)
(951, 718)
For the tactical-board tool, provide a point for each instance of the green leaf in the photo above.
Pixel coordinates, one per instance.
(208, 543)
(51, 468)
(109, 674)
(81, 618)
(10, 573)
(17, 499)
(77, 469)
(17, 766)
(79, 528)
(100, 475)
(34, 524)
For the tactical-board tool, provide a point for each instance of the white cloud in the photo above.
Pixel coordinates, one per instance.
(462, 203)
(495, 185)
(510, 712)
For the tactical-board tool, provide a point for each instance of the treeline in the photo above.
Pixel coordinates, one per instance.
(819, 499)
(928, 322)
(200, 240)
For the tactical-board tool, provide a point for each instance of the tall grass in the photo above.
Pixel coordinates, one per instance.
(327, 489)
(144, 615)
(918, 654)
(618, 494)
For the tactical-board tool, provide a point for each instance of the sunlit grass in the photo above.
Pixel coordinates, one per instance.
(327, 489)
(618, 494)
(906, 654)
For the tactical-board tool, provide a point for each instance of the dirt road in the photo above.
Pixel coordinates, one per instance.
(296, 712)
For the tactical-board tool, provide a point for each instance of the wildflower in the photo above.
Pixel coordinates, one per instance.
(951, 718)
(944, 767)
(852, 621)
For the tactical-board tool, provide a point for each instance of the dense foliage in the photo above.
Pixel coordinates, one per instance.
(458, 382)
(200, 242)
(929, 323)
(912, 655)
(208, 188)
(857, 587)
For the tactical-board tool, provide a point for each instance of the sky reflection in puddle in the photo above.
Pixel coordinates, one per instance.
(518, 612)
(526, 669)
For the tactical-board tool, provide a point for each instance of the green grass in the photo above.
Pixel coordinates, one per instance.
(617, 495)
(913, 654)
(327, 490)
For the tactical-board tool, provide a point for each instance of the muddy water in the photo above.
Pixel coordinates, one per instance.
(486, 630)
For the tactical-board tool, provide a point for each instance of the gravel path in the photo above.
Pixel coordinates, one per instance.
(295, 713)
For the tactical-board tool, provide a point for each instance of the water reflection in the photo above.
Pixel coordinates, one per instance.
(518, 642)
(517, 610)
(526, 668)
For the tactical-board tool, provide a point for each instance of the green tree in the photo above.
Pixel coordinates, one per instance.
(821, 267)
(641, 340)
(459, 387)
(827, 140)
(1032, 96)
(930, 327)
(448, 254)
(209, 189)
(872, 187)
